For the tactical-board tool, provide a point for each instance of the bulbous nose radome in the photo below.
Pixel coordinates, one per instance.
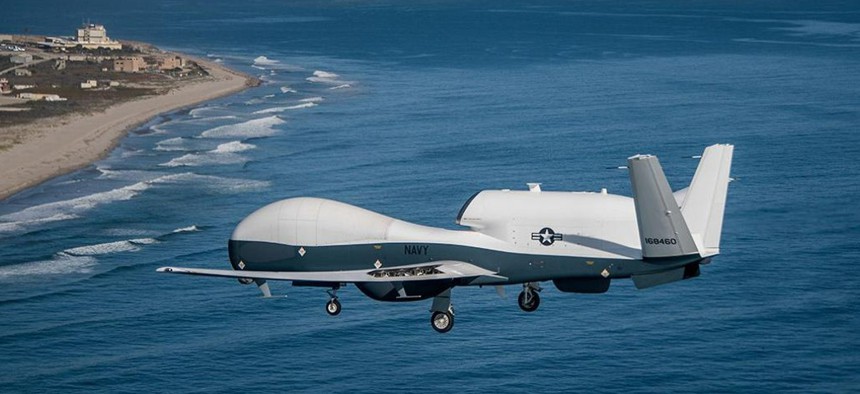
(262, 225)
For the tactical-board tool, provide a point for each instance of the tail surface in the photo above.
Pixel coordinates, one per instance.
(704, 202)
(663, 232)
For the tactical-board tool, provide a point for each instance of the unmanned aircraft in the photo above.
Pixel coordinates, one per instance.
(580, 241)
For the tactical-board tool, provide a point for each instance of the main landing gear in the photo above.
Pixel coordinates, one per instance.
(332, 307)
(442, 318)
(529, 298)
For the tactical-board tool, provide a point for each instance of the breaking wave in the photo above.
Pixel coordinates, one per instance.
(282, 109)
(172, 144)
(82, 259)
(262, 127)
(73, 208)
(223, 154)
(68, 209)
(287, 89)
(327, 78)
(6, 227)
(130, 245)
(264, 61)
(61, 264)
(232, 147)
(218, 184)
(189, 229)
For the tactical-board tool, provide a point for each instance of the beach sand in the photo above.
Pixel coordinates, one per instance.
(55, 146)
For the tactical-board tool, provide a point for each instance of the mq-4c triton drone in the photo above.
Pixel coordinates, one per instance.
(580, 241)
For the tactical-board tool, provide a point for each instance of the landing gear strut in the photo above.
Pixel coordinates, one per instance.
(529, 298)
(332, 307)
(442, 319)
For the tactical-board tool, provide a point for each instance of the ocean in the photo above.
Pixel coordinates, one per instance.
(407, 109)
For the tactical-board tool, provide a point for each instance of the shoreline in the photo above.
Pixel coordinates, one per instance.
(61, 145)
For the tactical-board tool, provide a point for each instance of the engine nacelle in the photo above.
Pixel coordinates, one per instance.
(404, 291)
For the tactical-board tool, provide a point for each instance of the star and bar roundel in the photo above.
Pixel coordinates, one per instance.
(546, 236)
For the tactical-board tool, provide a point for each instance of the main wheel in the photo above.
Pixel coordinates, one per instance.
(531, 304)
(442, 322)
(333, 307)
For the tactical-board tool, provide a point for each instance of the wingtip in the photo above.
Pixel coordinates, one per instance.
(164, 269)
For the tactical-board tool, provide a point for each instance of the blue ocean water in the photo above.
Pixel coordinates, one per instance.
(407, 109)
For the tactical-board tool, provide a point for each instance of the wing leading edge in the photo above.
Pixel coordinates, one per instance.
(430, 271)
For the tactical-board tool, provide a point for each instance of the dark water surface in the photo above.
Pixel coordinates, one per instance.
(445, 99)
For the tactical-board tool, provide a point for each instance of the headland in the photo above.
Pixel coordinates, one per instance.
(67, 102)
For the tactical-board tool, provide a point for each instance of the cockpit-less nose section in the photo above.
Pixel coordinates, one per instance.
(580, 241)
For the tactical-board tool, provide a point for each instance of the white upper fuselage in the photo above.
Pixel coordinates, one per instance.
(588, 225)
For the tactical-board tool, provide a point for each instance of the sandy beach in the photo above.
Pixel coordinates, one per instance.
(54, 146)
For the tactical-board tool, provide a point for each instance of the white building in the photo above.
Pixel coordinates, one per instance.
(92, 36)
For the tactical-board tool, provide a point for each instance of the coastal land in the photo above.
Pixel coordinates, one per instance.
(38, 142)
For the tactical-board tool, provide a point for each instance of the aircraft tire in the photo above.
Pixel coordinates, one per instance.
(531, 306)
(333, 307)
(442, 322)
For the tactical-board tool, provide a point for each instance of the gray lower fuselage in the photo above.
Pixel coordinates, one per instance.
(516, 267)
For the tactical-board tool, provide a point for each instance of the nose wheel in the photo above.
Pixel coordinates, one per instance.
(529, 299)
(332, 307)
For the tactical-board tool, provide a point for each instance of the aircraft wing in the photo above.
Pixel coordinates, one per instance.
(436, 270)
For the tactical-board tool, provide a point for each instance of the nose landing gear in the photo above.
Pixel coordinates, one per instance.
(529, 299)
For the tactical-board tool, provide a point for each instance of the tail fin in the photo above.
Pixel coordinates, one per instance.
(705, 200)
(663, 231)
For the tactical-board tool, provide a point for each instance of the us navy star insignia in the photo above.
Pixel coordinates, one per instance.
(546, 236)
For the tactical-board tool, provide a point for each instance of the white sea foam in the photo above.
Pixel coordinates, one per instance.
(233, 147)
(326, 77)
(258, 67)
(262, 60)
(262, 127)
(61, 264)
(196, 111)
(129, 175)
(338, 87)
(287, 89)
(130, 245)
(72, 208)
(171, 144)
(225, 153)
(222, 117)
(282, 109)
(325, 74)
(11, 226)
(312, 100)
(160, 128)
(75, 206)
(189, 229)
(218, 184)
(196, 160)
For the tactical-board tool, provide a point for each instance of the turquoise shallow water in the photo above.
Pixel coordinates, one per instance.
(445, 99)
